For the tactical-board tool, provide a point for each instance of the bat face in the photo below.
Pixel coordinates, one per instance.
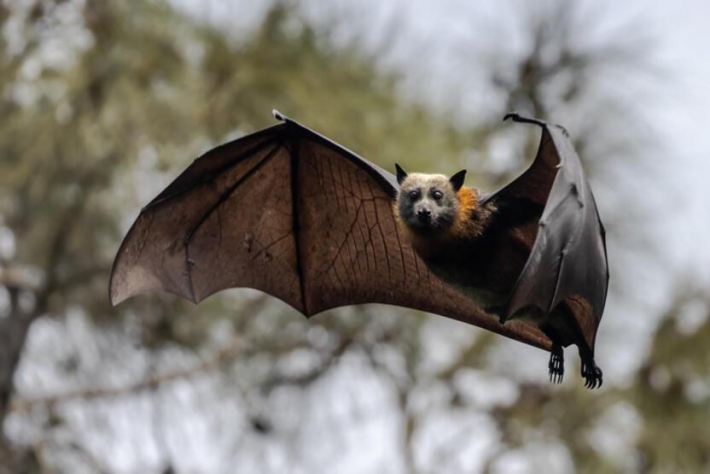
(427, 203)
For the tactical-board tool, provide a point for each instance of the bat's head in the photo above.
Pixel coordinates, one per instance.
(428, 203)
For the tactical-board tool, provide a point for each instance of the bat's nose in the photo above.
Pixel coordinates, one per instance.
(424, 215)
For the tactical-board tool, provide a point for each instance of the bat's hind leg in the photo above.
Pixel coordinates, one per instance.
(556, 364)
(557, 355)
(592, 374)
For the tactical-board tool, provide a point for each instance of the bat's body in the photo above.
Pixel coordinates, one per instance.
(466, 242)
(455, 237)
(347, 232)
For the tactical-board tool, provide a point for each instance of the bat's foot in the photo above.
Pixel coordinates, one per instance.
(556, 364)
(592, 374)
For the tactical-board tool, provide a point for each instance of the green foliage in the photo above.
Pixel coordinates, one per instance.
(152, 89)
(157, 86)
(672, 393)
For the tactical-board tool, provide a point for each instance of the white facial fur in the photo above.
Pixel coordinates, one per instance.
(427, 203)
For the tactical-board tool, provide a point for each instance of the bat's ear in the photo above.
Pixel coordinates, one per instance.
(401, 174)
(458, 179)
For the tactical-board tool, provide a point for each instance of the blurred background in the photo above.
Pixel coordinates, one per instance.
(103, 103)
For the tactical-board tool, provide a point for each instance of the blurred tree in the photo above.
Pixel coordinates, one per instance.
(96, 134)
(671, 391)
(91, 134)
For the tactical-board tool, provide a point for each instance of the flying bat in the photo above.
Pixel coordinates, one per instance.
(292, 213)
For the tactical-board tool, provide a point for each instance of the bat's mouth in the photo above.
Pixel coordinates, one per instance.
(427, 226)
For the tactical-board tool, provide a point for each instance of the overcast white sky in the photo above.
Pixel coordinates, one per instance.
(682, 31)
(681, 197)
(425, 39)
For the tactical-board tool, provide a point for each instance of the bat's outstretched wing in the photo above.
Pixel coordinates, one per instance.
(568, 261)
(295, 215)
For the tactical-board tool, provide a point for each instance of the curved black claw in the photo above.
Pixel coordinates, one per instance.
(592, 374)
(556, 364)
(516, 117)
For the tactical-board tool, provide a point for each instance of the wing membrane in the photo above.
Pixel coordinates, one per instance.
(568, 261)
(293, 214)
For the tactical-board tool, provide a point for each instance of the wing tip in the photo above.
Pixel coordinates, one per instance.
(516, 117)
(278, 115)
(115, 296)
(115, 300)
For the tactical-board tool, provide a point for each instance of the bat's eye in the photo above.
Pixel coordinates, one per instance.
(414, 195)
(437, 195)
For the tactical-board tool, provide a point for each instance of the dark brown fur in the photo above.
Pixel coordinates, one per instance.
(482, 253)
(466, 255)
